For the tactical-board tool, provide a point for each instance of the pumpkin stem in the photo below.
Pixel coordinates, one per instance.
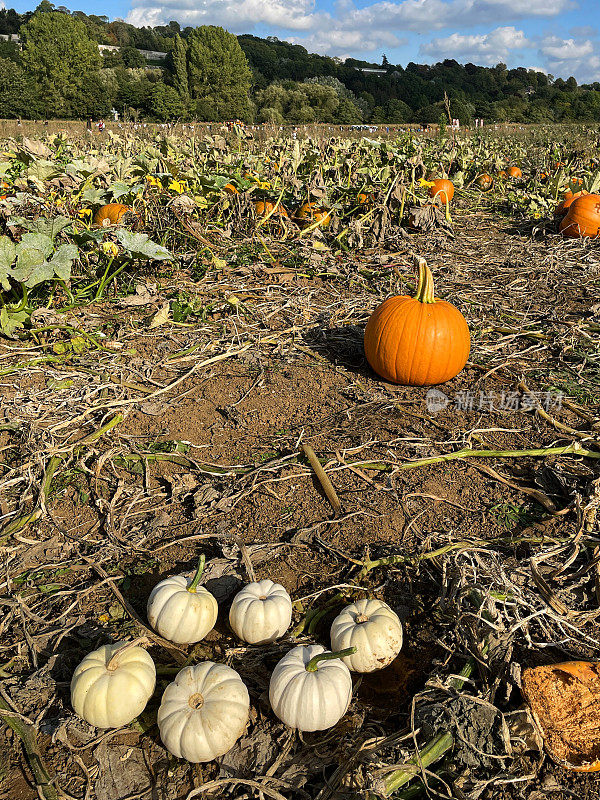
(316, 660)
(198, 575)
(425, 289)
(114, 659)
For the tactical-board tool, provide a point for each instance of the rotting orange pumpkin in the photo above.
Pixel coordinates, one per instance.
(564, 700)
(110, 214)
(443, 189)
(311, 213)
(417, 341)
(515, 172)
(230, 189)
(484, 182)
(583, 217)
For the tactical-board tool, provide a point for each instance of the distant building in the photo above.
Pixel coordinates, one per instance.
(371, 71)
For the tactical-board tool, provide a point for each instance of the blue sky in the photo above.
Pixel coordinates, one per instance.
(557, 36)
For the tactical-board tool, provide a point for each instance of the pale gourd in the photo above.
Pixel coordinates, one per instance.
(180, 610)
(310, 688)
(373, 628)
(261, 612)
(112, 685)
(203, 712)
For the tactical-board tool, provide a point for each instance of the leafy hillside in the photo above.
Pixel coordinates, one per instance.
(209, 75)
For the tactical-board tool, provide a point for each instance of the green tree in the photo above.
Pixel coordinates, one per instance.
(18, 95)
(165, 103)
(177, 67)
(59, 55)
(132, 57)
(219, 75)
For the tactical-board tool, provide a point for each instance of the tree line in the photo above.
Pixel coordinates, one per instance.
(56, 70)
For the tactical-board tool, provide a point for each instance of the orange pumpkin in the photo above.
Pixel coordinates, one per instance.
(110, 214)
(562, 208)
(309, 213)
(484, 182)
(365, 198)
(442, 188)
(417, 341)
(564, 700)
(502, 174)
(514, 172)
(264, 207)
(583, 217)
(230, 189)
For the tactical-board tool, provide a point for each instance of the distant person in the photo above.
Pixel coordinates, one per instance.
(89, 124)
(101, 126)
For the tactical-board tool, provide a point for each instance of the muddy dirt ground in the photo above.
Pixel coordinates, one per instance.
(204, 416)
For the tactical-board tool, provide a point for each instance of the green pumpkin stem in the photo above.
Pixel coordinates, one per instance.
(316, 660)
(198, 575)
(425, 289)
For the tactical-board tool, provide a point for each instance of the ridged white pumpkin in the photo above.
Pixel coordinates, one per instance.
(261, 612)
(111, 688)
(373, 628)
(180, 610)
(310, 697)
(203, 712)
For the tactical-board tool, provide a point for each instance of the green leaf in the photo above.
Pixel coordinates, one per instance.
(32, 268)
(7, 256)
(118, 189)
(93, 195)
(139, 245)
(50, 227)
(62, 261)
(35, 241)
(11, 320)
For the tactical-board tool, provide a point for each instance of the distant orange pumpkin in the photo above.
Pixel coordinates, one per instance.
(442, 189)
(515, 172)
(309, 213)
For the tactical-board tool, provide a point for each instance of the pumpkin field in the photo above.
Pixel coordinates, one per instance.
(300, 465)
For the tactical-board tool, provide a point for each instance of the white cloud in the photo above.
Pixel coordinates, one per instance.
(556, 49)
(485, 48)
(577, 57)
(373, 21)
(238, 17)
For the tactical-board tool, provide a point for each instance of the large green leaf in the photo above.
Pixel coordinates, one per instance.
(118, 189)
(36, 241)
(48, 226)
(139, 245)
(93, 195)
(32, 268)
(62, 261)
(7, 256)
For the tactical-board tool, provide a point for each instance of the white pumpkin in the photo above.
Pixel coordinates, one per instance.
(373, 628)
(310, 688)
(203, 712)
(112, 685)
(180, 610)
(261, 612)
